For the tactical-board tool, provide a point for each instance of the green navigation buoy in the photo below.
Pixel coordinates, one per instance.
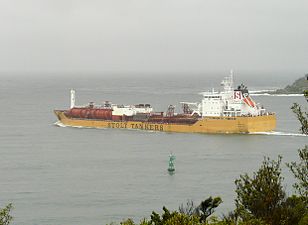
(171, 167)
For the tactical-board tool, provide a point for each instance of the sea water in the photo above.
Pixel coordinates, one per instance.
(63, 175)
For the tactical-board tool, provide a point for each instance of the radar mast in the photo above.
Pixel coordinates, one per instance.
(227, 82)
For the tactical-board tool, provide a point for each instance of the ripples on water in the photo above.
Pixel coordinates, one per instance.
(57, 175)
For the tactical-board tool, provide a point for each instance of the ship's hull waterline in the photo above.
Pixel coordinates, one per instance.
(226, 125)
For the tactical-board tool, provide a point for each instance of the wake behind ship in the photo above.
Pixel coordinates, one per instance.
(231, 110)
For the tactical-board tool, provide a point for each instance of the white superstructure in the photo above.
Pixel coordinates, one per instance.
(228, 102)
(130, 110)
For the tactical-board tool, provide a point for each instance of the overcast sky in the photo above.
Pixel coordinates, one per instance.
(153, 36)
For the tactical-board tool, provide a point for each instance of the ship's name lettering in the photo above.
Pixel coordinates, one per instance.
(117, 125)
(142, 126)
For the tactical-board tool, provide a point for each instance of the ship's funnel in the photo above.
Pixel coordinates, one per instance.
(72, 98)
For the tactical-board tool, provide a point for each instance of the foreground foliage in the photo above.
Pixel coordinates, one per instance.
(306, 94)
(203, 211)
(302, 117)
(5, 217)
(300, 172)
(261, 195)
(189, 215)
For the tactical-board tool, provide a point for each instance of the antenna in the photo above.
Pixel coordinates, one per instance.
(227, 82)
(231, 79)
(72, 98)
(231, 75)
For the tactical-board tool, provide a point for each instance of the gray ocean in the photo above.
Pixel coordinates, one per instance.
(62, 175)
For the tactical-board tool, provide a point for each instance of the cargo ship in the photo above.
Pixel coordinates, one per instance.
(229, 111)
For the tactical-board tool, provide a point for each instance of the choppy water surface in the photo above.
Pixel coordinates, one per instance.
(62, 175)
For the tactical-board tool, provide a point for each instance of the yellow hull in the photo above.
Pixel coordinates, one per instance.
(231, 125)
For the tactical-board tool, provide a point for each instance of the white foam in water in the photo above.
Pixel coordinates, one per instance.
(289, 95)
(59, 124)
(261, 91)
(265, 94)
(255, 93)
(278, 133)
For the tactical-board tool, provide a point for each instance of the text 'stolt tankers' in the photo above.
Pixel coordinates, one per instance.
(89, 113)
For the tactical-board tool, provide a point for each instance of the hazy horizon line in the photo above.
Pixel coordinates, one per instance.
(146, 74)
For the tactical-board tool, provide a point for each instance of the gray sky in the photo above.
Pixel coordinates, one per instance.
(153, 36)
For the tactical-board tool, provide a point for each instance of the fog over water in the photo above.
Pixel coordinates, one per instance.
(154, 36)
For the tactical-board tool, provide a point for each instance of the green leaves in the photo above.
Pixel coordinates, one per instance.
(306, 94)
(174, 218)
(207, 207)
(300, 172)
(5, 217)
(293, 210)
(302, 117)
(261, 195)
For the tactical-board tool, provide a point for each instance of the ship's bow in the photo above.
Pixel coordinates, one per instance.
(60, 114)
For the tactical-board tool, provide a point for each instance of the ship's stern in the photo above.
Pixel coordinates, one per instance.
(264, 123)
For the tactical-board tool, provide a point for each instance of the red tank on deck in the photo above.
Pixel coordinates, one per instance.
(116, 118)
(90, 113)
